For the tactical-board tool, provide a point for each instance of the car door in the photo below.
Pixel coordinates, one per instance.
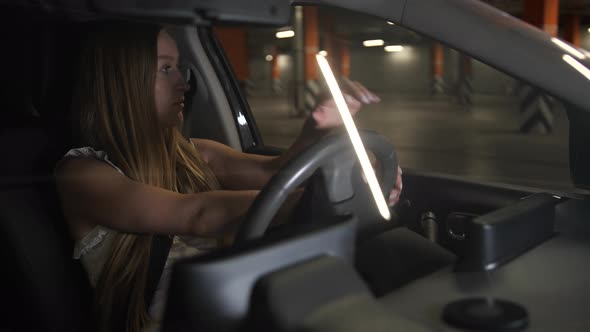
(458, 133)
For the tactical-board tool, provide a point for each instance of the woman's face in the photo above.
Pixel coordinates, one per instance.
(170, 83)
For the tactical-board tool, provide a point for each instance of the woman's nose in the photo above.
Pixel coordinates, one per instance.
(183, 86)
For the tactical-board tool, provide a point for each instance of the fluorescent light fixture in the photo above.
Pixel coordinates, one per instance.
(390, 23)
(355, 138)
(588, 29)
(373, 43)
(269, 58)
(394, 48)
(568, 48)
(577, 65)
(285, 34)
(323, 53)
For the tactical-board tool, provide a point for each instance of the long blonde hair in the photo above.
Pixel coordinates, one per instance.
(115, 103)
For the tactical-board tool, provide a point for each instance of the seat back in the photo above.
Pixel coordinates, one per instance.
(44, 288)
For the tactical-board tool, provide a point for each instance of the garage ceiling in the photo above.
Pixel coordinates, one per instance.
(355, 28)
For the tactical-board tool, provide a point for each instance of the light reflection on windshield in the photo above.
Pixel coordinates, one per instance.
(355, 138)
(577, 65)
(568, 48)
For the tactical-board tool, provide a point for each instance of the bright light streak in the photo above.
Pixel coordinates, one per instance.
(390, 23)
(577, 65)
(285, 34)
(242, 119)
(394, 48)
(373, 42)
(568, 48)
(355, 138)
(323, 53)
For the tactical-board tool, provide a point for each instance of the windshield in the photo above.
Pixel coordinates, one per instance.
(444, 111)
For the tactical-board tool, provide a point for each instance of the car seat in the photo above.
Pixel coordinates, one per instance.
(43, 288)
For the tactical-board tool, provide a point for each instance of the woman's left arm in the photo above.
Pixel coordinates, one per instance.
(237, 170)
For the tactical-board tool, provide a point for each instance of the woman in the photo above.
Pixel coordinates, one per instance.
(136, 176)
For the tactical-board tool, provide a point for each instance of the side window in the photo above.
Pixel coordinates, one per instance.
(445, 112)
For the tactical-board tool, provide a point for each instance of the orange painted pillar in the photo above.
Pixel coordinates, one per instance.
(276, 73)
(235, 45)
(437, 69)
(311, 42)
(344, 59)
(329, 42)
(437, 60)
(543, 14)
(571, 29)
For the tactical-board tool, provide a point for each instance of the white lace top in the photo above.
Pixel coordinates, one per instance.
(93, 248)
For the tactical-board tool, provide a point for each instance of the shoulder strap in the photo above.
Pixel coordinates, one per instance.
(158, 255)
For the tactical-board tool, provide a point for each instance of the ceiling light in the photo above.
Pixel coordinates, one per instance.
(390, 23)
(269, 58)
(354, 136)
(394, 48)
(373, 43)
(323, 53)
(285, 34)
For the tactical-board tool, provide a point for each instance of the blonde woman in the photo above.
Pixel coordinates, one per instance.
(135, 176)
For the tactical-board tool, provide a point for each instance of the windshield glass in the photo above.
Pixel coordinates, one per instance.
(445, 112)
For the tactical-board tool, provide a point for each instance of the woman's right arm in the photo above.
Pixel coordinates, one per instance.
(93, 193)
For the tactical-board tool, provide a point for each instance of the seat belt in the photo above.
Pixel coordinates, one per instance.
(160, 248)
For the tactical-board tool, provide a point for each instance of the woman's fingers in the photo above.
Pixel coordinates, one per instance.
(359, 91)
(397, 189)
(326, 114)
(373, 98)
(353, 104)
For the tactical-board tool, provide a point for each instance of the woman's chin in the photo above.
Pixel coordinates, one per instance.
(173, 121)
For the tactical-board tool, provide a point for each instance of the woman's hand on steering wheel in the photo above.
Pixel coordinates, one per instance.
(397, 189)
(326, 114)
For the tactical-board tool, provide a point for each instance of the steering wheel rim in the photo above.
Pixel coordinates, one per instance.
(299, 169)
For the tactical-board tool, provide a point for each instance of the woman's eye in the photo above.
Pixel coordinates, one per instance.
(165, 69)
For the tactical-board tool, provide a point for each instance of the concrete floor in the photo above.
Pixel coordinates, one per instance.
(435, 135)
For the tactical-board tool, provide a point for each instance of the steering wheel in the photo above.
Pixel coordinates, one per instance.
(334, 158)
